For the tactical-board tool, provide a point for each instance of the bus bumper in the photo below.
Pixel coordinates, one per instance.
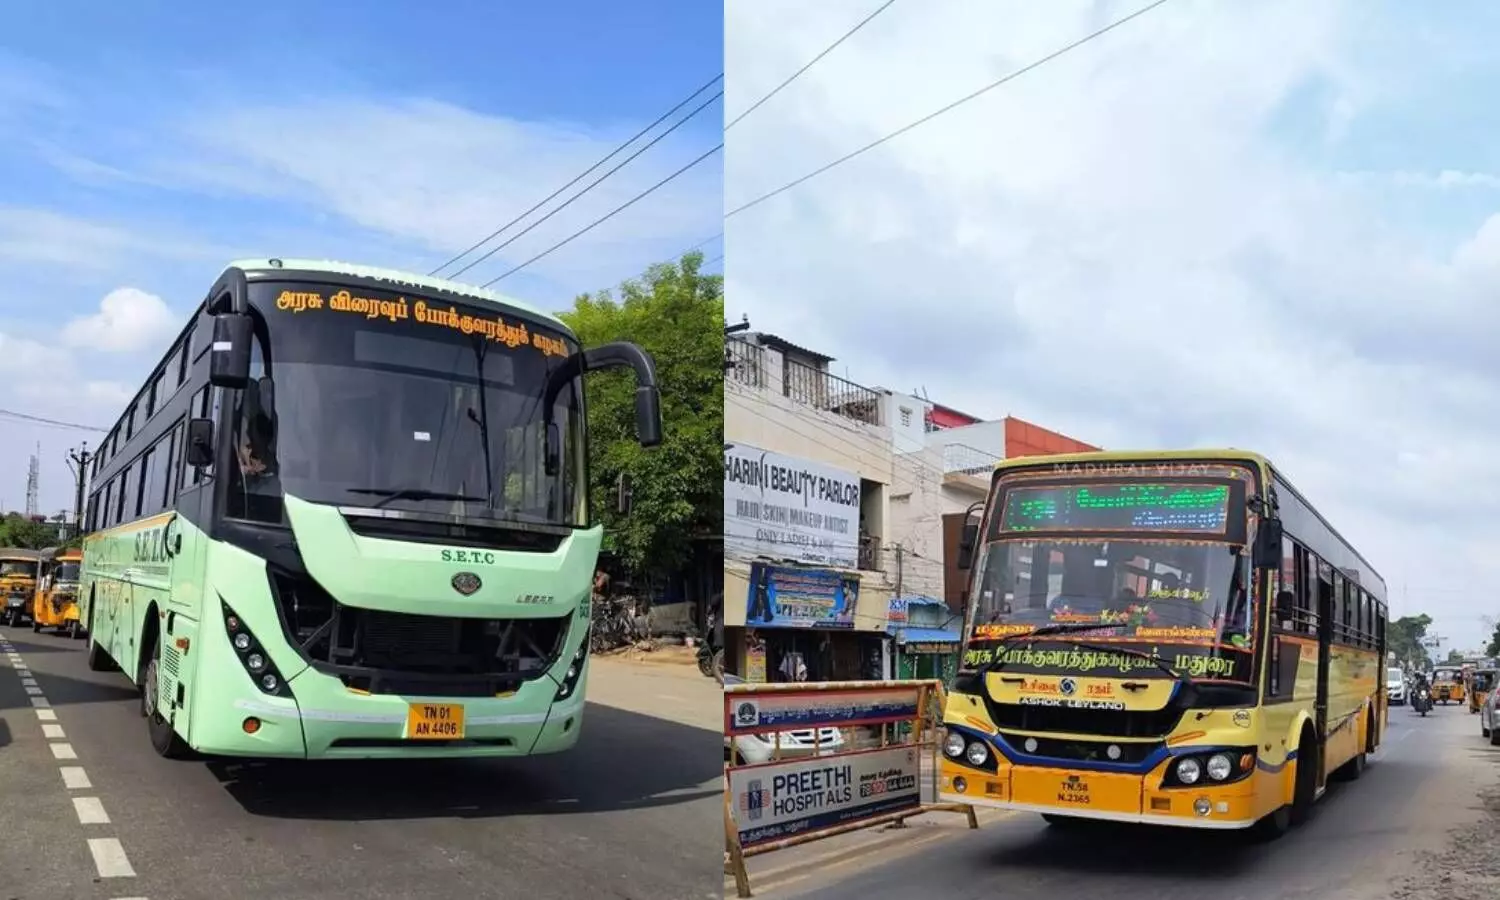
(1107, 796)
(325, 720)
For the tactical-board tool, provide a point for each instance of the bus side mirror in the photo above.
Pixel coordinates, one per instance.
(200, 443)
(966, 541)
(229, 354)
(1267, 551)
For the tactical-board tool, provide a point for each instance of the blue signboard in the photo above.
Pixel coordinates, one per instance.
(782, 597)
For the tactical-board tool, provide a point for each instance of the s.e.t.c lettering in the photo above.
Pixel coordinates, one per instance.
(486, 557)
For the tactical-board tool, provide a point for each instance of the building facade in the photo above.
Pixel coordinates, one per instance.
(807, 469)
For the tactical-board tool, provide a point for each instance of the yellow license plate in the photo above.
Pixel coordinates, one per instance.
(435, 722)
(1074, 790)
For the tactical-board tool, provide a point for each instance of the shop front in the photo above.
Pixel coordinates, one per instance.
(801, 624)
(924, 641)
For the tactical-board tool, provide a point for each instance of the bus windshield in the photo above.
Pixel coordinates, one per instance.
(388, 400)
(1151, 590)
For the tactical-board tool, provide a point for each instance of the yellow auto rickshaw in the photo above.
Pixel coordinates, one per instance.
(1480, 685)
(1448, 685)
(17, 584)
(56, 601)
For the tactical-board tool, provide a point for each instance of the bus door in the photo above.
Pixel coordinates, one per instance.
(1325, 637)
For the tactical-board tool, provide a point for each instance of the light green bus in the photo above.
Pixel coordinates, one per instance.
(347, 516)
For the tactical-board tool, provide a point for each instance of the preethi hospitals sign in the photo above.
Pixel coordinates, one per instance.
(790, 509)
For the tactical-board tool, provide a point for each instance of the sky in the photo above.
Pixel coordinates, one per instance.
(151, 147)
(1273, 226)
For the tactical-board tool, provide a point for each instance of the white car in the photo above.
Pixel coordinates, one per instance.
(759, 748)
(1395, 686)
(1489, 718)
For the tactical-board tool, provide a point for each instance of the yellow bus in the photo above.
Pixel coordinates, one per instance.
(1167, 638)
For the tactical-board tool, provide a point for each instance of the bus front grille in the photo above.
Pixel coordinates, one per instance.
(1119, 723)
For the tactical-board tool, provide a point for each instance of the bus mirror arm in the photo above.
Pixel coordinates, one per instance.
(1266, 554)
(620, 354)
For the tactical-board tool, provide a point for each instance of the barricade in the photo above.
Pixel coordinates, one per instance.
(812, 760)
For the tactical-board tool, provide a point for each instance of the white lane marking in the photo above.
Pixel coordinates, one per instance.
(109, 858)
(63, 751)
(53, 731)
(75, 778)
(90, 811)
(34, 691)
(41, 702)
(24, 673)
(47, 715)
(28, 682)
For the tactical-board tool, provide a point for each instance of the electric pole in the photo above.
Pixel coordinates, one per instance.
(80, 465)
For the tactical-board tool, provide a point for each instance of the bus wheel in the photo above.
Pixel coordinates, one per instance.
(1273, 826)
(1307, 781)
(164, 739)
(74, 629)
(98, 659)
(36, 627)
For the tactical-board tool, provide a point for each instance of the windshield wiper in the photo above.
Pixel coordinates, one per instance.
(389, 494)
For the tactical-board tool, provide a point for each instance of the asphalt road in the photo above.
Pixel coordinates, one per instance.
(633, 812)
(1431, 788)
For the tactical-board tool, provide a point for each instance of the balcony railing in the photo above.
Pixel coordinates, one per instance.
(961, 459)
(745, 363)
(821, 390)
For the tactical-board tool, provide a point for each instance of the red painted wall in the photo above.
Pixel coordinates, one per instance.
(1025, 439)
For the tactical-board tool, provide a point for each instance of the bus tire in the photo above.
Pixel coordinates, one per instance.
(1273, 826)
(74, 629)
(98, 658)
(164, 738)
(1494, 735)
(1306, 789)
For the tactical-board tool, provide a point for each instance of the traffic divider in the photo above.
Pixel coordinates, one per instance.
(806, 761)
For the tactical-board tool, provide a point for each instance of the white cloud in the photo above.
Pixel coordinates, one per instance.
(128, 320)
(439, 177)
(1124, 244)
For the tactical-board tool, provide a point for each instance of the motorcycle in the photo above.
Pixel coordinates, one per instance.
(1422, 701)
(711, 658)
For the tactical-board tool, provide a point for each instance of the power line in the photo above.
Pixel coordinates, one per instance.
(810, 63)
(54, 423)
(604, 218)
(949, 108)
(581, 175)
(593, 184)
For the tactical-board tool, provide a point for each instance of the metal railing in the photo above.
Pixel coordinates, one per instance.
(745, 363)
(819, 389)
(966, 460)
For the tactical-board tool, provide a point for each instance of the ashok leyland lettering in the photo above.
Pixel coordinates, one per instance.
(1163, 638)
(347, 516)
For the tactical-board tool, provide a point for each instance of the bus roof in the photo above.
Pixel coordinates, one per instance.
(1100, 456)
(410, 279)
(16, 553)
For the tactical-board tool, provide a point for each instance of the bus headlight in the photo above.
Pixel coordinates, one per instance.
(977, 754)
(1188, 771)
(252, 655)
(955, 744)
(575, 670)
(1219, 767)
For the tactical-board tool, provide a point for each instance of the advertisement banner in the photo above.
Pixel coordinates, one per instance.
(749, 712)
(787, 508)
(781, 597)
(782, 799)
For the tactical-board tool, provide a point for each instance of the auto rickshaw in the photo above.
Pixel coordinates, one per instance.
(1448, 685)
(17, 584)
(1480, 685)
(56, 600)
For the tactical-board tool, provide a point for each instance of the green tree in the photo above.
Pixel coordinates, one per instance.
(676, 314)
(1455, 657)
(18, 531)
(1404, 638)
(1494, 648)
